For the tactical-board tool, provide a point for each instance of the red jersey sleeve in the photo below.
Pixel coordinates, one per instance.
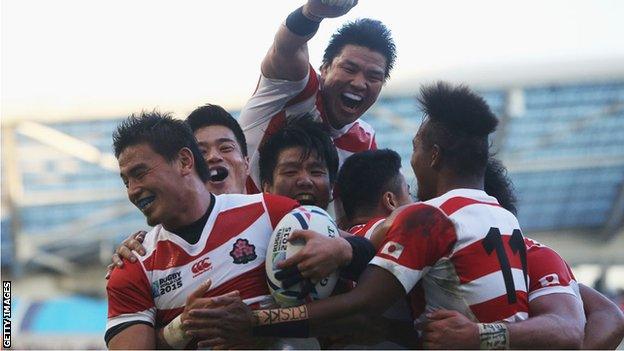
(417, 238)
(129, 296)
(278, 206)
(548, 273)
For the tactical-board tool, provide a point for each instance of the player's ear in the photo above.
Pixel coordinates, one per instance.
(436, 157)
(324, 68)
(389, 201)
(246, 162)
(186, 161)
(266, 187)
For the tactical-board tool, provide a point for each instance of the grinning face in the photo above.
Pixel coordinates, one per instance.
(152, 184)
(306, 181)
(351, 84)
(421, 165)
(227, 166)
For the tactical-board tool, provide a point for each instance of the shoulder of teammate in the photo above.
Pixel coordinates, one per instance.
(130, 284)
(278, 206)
(130, 299)
(423, 230)
(546, 269)
(270, 99)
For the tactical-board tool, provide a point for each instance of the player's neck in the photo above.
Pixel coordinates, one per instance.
(192, 232)
(193, 205)
(451, 182)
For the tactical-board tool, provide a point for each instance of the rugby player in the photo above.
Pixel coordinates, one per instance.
(452, 237)
(550, 276)
(195, 232)
(224, 148)
(548, 272)
(356, 64)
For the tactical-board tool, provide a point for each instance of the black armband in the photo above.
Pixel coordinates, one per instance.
(363, 252)
(299, 24)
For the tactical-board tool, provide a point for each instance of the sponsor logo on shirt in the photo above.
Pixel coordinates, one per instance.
(201, 266)
(243, 252)
(392, 248)
(167, 284)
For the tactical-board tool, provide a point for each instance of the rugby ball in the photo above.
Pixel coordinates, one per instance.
(304, 217)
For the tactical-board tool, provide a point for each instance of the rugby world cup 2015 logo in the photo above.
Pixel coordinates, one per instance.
(169, 283)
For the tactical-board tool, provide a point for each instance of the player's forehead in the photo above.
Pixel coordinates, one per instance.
(138, 153)
(293, 156)
(363, 57)
(214, 135)
(141, 154)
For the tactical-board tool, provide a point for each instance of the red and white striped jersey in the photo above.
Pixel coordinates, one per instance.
(548, 272)
(230, 252)
(367, 229)
(468, 252)
(276, 100)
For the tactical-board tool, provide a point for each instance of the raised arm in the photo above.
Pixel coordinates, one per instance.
(605, 322)
(288, 57)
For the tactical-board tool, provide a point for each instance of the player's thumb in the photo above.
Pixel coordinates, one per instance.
(302, 235)
(225, 299)
(201, 290)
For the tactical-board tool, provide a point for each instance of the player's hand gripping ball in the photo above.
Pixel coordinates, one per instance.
(307, 218)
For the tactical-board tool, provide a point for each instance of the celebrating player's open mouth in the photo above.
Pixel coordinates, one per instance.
(144, 203)
(218, 174)
(306, 198)
(351, 102)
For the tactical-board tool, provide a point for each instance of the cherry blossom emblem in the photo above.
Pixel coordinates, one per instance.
(243, 251)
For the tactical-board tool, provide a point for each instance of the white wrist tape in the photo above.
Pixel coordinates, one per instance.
(174, 334)
(494, 336)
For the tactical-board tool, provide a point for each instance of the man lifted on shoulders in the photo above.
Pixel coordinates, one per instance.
(356, 64)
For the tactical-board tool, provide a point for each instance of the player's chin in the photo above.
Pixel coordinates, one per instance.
(153, 217)
(218, 188)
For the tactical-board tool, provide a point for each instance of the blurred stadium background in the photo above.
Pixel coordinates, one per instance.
(64, 207)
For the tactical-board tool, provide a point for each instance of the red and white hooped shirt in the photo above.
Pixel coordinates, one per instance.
(230, 252)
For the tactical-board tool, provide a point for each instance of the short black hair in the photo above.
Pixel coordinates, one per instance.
(164, 134)
(365, 176)
(215, 115)
(498, 184)
(459, 121)
(365, 32)
(298, 132)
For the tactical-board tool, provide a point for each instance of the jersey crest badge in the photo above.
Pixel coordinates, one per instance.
(243, 252)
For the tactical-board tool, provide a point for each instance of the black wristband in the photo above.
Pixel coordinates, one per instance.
(299, 24)
(363, 252)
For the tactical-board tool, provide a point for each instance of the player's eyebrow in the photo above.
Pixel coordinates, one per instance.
(134, 170)
(289, 164)
(219, 141)
(371, 70)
